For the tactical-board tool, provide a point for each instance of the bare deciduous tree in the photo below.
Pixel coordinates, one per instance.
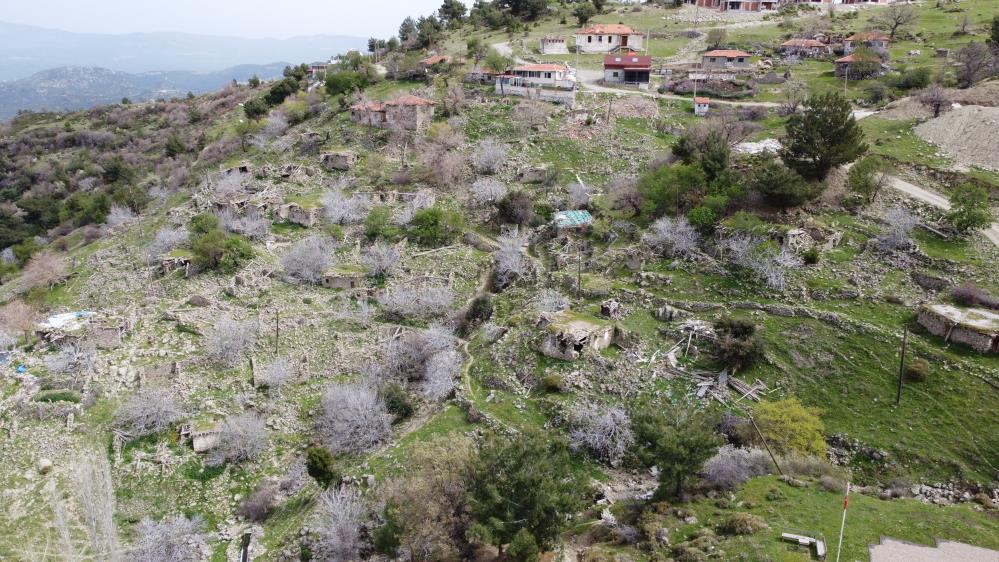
(770, 263)
(672, 237)
(241, 438)
(308, 259)
(731, 466)
(896, 17)
(353, 418)
(119, 215)
(382, 260)
(974, 62)
(549, 300)
(17, 316)
(229, 340)
(511, 262)
(275, 374)
(174, 539)
(252, 225)
(148, 411)
(92, 479)
(897, 231)
(486, 191)
(623, 193)
(343, 209)
(417, 300)
(935, 98)
(603, 431)
(166, 239)
(441, 373)
(229, 185)
(578, 196)
(44, 270)
(795, 94)
(489, 157)
(342, 513)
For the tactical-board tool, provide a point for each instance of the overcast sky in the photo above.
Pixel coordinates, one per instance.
(241, 18)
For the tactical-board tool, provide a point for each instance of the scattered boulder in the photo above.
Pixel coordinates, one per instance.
(44, 466)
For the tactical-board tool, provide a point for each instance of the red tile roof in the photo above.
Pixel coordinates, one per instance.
(368, 106)
(854, 58)
(701, 100)
(802, 43)
(606, 29)
(435, 60)
(409, 100)
(868, 36)
(631, 60)
(541, 68)
(726, 53)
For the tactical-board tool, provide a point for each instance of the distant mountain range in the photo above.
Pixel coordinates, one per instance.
(45, 69)
(25, 50)
(74, 87)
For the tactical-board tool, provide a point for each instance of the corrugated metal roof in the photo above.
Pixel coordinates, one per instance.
(570, 219)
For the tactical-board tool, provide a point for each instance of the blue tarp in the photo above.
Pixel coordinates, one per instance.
(573, 219)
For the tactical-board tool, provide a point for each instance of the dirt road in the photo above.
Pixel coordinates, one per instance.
(937, 200)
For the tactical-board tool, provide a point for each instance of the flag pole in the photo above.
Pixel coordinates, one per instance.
(846, 502)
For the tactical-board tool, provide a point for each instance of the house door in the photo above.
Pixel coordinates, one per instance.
(624, 40)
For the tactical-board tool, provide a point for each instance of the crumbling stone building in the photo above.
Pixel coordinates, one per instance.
(977, 328)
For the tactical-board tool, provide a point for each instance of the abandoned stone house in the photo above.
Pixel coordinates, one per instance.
(554, 45)
(407, 113)
(341, 161)
(870, 39)
(568, 334)
(175, 261)
(975, 327)
(804, 48)
(344, 277)
(301, 215)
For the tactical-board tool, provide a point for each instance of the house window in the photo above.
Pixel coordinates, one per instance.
(589, 38)
(742, 59)
(600, 39)
(712, 59)
(615, 75)
(610, 38)
(548, 75)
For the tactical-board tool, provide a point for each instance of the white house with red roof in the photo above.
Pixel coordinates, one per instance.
(548, 82)
(726, 59)
(607, 38)
(740, 5)
(627, 69)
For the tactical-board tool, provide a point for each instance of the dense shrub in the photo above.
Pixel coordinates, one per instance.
(737, 345)
(435, 226)
(320, 465)
(969, 294)
(260, 504)
(917, 370)
(397, 401)
(791, 427)
(516, 207)
(742, 524)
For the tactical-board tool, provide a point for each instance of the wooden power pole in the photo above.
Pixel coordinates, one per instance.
(901, 364)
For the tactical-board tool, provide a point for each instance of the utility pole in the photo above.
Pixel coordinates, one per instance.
(765, 444)
(901, 364)
(277, 331)
(579, 269)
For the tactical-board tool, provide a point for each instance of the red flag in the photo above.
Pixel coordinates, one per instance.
(846, 501)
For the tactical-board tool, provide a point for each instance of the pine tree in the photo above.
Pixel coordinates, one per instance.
(823, 136)
(677, 440)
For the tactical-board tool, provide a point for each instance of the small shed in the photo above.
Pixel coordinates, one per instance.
(568, 334)
(345, 276)
(574, 220)
(302, 215)
(701, 106)
(177, 260)
(975, 327)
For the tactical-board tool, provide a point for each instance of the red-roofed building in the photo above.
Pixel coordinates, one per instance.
(871, 39)
(608, 37)
(726, 58)
(430, 62)
(627, 69)
(804, 47)
(701, 105)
